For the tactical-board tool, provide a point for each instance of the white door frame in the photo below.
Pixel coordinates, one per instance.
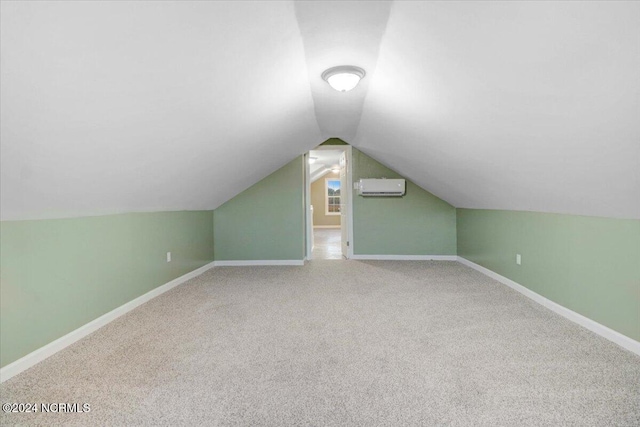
(307, 196)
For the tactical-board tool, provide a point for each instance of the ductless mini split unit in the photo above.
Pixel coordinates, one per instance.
(382, 187)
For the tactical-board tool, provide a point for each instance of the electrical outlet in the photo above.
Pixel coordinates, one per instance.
(168, 256)
(518, 259)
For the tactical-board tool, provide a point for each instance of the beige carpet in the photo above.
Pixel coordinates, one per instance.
(338, 343)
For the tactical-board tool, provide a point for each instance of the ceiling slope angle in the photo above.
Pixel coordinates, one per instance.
(323, 162)
(113, 107)
(511, 105)
(338, 33)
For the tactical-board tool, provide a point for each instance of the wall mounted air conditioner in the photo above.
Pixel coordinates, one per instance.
(381, 187)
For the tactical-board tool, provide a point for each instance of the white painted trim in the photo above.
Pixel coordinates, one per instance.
(407, 257)
(349, 151)
(53, 347)
(326, 226)
(608, 333)
(326, 197)
(307, 207)
(247, 263)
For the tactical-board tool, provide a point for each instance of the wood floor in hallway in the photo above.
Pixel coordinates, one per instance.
(326, 243)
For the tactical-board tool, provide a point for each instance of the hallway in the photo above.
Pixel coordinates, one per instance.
(326, 243)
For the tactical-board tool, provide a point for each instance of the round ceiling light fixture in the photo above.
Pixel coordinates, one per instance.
(343, 78)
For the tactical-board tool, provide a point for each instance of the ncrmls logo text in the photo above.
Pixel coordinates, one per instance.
(65, 407)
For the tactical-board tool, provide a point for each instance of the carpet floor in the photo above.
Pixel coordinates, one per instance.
(337, 343)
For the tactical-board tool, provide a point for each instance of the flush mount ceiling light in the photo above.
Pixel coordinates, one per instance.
(344, 77)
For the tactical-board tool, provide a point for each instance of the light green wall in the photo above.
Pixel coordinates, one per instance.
(418, 223)
(334, 141)
(587, 264)
(60, 274)
(266, 221)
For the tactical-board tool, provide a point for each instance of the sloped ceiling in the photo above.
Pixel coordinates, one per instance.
(324, 161)
(340, 33)
(511, 105)
(144, 106)
(147, 106)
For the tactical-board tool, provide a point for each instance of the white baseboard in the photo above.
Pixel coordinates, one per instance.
(53, 347)
(245, 263)
(407, 257)
(608, 333)
(326, 226)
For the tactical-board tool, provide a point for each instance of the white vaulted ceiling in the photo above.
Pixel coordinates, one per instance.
(512, 105)
(147, 106)
(144, 106)
(340, 33)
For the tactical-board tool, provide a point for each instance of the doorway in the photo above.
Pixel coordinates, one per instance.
(328, 198)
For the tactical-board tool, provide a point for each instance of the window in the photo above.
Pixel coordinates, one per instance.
(332, 196)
